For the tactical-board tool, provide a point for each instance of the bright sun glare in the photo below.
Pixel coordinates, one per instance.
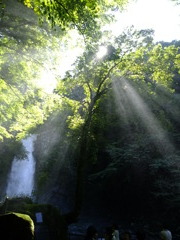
(161, 15)
(102, 52)
(64, 62)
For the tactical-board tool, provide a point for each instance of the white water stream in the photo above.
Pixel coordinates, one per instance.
(21, 178)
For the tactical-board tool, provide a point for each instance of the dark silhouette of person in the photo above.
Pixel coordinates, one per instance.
(126, 235)
(108, 233)
(140, 235)
(165, 233)
(115, 231)
(91, 233)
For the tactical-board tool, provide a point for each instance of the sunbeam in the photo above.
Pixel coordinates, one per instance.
(126, 94)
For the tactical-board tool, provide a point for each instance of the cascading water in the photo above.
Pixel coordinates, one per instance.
(21, 178)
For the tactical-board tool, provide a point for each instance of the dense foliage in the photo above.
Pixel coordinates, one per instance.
(141, 137)
(84, 15)
(24, 58)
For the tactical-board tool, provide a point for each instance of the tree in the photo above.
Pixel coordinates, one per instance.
(129, 56)
(83, 15)
(24, 55)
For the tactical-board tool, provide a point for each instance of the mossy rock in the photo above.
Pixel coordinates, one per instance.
(52, 219)
(16, 226)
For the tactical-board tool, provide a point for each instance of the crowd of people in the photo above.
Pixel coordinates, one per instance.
(113, 233)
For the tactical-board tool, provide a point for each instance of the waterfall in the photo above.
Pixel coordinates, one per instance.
(21, 178)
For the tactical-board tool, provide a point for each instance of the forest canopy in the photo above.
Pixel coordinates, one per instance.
(25, 51)
(84, 15)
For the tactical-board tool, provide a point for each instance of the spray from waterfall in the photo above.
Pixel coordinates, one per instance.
(21, 178)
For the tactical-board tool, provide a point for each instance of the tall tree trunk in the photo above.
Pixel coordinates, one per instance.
(82, 157)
